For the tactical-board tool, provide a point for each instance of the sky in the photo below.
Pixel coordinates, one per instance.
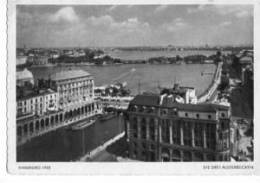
(133, 25)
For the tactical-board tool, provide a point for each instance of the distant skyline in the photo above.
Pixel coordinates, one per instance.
(133, 25)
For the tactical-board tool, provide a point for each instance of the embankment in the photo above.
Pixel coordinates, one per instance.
(206, 95)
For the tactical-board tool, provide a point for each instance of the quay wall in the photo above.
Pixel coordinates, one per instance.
(100, 148)
(30, 128)
(205, 96)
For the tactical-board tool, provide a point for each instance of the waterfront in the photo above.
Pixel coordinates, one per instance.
(67, 145)
(144, 55)
(145, 77)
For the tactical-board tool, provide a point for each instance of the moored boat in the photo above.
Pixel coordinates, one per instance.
(83, 124)
(106, 117)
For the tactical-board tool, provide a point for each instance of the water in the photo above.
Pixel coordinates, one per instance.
(149, 76)
(143, 55)
(67, 145)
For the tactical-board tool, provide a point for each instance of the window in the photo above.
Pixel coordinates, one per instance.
(144, 145)
(209, 116)
(197, 115)
(222, 115)
(186, 114)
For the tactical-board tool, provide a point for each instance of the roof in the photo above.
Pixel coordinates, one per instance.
(24, 74)
(69, 74)
(30, 93)
(246, 59)
(168, 102)
(146, 99)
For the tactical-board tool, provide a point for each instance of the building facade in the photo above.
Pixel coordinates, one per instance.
(38, 60)
(38, 104)
(159, 129)
(73, 87)
(69, 97)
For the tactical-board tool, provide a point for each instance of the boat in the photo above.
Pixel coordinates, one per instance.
(82, 125)
(106, 117)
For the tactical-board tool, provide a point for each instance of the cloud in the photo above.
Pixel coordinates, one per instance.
(225, 23)
(243, 13)
(112, 8)
(176, 25)
(66, 14)
(108, 22)
(196, 9)
(160, 8)
(235, 10)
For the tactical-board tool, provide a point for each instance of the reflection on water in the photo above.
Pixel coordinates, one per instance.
(67, 145)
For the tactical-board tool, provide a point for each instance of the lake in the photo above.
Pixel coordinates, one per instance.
(143, 77)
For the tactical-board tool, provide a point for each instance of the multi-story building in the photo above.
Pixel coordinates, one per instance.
(160, 129)
(38, 60)
(182, 94)
(24, 77)
(36, 103)
(68, 97)
(73, 87)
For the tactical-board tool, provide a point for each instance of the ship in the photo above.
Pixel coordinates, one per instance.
(106, 117)
(83, 125)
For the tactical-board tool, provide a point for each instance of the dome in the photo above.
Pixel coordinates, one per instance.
(24, 74)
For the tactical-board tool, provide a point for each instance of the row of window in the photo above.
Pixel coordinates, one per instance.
(210, 130)
(173, 111)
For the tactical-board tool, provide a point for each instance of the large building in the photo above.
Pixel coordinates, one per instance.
(36, 103)
(38, 60)
(65, 98)
(73, 87)
(160, 129)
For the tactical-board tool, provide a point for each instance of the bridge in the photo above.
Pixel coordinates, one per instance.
(119, 103)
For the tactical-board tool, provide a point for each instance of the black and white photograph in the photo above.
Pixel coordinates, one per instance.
(133, 83)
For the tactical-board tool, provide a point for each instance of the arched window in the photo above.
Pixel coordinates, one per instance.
(176, 155)
(187, 156)
(198, 115)
(165, 154)
(143, 128)
(222, 115)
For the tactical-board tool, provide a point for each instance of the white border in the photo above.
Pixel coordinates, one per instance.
(187, 168)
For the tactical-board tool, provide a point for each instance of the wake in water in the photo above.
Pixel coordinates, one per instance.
(124, 75)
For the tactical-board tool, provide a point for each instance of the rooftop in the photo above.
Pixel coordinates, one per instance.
(26, 93)
(23, 74)
(168, 102)
(69, 74)
(146, 99)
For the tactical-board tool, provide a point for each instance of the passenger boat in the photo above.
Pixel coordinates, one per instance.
(83, 124)
(106, 117)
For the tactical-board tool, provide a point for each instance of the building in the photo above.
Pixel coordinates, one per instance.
(36, 103)
(247, 77)
(159, 129)
(21, 60)
(73, 87)
(246, 60)
(65, 98)
(38, 60)
(182, 94)
(24, 77)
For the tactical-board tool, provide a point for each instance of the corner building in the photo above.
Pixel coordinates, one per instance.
(159, 129)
